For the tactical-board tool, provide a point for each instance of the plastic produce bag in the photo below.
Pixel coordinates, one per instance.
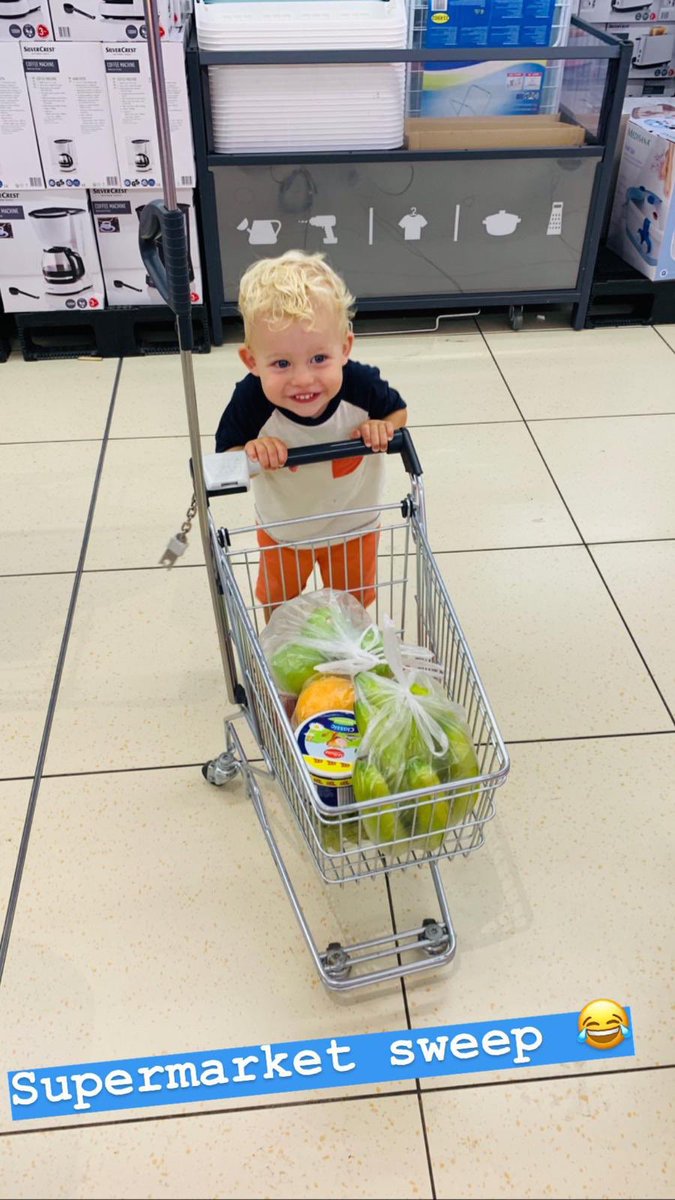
(413, 738)
(327, 632)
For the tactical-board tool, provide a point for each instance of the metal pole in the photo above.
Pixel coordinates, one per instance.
(170, 197)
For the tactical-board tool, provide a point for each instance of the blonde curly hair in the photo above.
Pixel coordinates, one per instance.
(292, 288)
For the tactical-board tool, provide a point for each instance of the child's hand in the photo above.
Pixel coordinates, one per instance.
(376, 434)
(270, 452)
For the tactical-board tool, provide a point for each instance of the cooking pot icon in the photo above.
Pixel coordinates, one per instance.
(502, 223)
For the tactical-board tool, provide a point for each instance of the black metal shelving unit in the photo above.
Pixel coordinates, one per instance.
(220, 175)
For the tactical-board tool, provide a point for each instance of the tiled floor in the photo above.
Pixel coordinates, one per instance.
(143, 912)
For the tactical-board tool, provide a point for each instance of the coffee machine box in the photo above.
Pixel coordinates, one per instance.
(20, 165)
(25, 21)
(133, 113)
(116, 214)
(114, 20)
(642, 225)
(48, 254)
(69, 99)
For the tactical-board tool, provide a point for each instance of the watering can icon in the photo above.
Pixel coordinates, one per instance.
(261, 233)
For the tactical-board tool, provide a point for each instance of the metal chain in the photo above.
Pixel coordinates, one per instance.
(189, 518)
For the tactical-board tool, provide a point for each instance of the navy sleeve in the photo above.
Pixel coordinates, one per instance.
(367, 389)
(244, 416)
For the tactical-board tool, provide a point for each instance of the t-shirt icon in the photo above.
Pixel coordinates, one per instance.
(412, 225)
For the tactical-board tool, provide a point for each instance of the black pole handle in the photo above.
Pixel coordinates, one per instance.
(168, 270)
(401, 443)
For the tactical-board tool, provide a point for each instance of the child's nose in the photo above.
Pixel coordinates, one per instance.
(302, 374)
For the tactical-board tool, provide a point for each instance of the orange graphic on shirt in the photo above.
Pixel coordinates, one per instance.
(345, 466)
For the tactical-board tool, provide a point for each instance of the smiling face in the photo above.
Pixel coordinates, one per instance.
(602, 1022)
(299, 367)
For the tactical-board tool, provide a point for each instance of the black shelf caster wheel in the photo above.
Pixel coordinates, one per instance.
(516, 317)
(434, 937)
(336, 961)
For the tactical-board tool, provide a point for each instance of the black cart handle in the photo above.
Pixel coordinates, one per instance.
(168, 270)
(401, 443)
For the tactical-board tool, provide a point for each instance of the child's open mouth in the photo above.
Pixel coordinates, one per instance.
(306, 397)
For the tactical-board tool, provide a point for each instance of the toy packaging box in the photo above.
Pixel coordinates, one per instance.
(48, 254)
(25, 21)
(69, 100)
(133, 112)
(642, 225)
(20, 165)
(117, 213)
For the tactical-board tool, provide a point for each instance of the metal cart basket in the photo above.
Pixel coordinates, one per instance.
(409, 589)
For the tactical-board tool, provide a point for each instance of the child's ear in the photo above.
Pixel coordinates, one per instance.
(347, 347)
(248, 360)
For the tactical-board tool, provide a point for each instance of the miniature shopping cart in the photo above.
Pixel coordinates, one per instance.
(410, 590)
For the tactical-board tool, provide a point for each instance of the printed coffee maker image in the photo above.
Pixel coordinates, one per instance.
(60, 232)
(140, 150)
(65, 154)
(185, 208)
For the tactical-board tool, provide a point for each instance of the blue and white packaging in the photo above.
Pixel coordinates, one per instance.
(642, 226)
(478, 89)
(456, 23)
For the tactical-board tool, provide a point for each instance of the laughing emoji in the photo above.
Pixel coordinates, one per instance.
(603, 1024)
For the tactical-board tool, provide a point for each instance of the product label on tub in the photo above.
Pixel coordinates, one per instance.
(329, 744)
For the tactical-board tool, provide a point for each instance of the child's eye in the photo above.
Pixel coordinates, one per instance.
(282, 363)
(320, 358)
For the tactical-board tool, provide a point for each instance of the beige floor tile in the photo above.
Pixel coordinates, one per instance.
(594, 373)
(142, 684)
(150, 400)
(32, 616)
(55, 400)
(13, 803)
(444, 378)
(581, 1138)
(565, 900)
(152, 920)
(48, 488)
(641, 577)
(615, 474)
(550, 647)
(486, 486)
(365, 1148)
(667, 332)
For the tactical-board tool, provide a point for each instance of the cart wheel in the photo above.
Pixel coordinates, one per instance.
(336, 961)
(516, 317)
(221, 770)
(434, 937)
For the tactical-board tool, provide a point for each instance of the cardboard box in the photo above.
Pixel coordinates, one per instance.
(113, 20)
(650, 87)
(26, 21)
(69, 100)
(482, 89)
(466, 133)
(20, 165)
(133, 113)
(116, 214)
(642, 225)
(618, 12)
(48, 254)
(653, 48)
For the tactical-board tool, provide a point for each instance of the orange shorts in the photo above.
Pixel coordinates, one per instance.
(350, 566)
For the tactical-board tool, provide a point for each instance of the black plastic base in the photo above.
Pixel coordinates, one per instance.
(7, 328)
(622, 296)
(109, 333)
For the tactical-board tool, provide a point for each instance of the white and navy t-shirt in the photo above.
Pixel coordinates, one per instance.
(322, 488)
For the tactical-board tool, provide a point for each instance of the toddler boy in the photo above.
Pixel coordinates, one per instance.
(302, 389)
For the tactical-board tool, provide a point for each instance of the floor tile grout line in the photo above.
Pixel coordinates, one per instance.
(664, 340)
(56, 684)
(185, 766)
(459, 550)
(587, 547)
(520, 1080)
(418, 1085)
